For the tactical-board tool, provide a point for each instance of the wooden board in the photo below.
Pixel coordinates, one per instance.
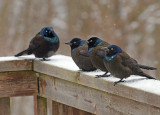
(41, 106)
(18, 84)
(91, 100)
(61, 109)
(99, 84)
(15, 65)
(5, 106)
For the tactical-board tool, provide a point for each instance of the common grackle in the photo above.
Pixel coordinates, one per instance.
(79, 46)
(121, 65)
(96, 54)
(43, 45)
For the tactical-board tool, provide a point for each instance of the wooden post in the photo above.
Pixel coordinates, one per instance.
(41, 106)
(5, 106)
(35, 105)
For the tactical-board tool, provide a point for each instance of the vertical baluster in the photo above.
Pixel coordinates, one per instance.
(41, 106)
(5, 106)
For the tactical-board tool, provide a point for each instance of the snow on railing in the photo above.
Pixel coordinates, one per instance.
(60, 80)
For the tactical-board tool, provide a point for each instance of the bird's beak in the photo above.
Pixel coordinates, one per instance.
(86, 41)
(51, 32)
(68, 43)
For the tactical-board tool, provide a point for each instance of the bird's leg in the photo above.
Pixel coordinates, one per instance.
(104, 75)
(44, 59)
(121, 80)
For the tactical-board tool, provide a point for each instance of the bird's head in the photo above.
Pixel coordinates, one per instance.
(111, 51)
(48, 32)
(94, 42)
(49, 35)
(75, 42)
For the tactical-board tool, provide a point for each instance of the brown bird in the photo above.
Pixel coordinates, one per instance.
(94, 51)
(79, 46)
(121, 65)
(43, 45)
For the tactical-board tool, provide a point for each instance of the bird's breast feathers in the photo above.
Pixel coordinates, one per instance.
(52, 40)
(108, 59)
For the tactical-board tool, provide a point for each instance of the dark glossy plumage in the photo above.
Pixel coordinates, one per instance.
(43, 45)
(78, 46)
(95, 44)
(121, 65)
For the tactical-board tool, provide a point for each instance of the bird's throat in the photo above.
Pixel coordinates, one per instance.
(108, 59)
(52, 40)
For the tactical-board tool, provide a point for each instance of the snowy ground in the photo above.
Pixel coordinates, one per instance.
(66, 62)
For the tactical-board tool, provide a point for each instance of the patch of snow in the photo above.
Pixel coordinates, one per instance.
(63, 62)
(94, 73)
(66, 62)
(133, 81)
(16, 58)
(143, 83)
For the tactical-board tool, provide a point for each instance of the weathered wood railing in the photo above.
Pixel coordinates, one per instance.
(58, 83)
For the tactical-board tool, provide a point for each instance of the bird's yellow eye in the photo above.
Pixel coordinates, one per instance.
(91, 41)
(74, 42)
(112, 48)
(46, 30)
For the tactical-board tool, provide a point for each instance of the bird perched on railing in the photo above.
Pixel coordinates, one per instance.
(121, 65)
(94, 48)
(43, 45)
(79, 46)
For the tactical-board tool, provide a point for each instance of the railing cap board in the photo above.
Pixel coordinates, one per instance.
(13, 58)
(16, 64)
(136, 88)
(137, 82)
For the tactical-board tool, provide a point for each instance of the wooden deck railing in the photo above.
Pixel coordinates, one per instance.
(57, 83)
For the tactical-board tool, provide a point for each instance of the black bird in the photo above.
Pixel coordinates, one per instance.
(77, 47)
(121, 65)
(94, 48)
(43, 45)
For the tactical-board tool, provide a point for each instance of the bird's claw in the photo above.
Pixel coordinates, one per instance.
(44, 59)
(115, 83)
(99, 76)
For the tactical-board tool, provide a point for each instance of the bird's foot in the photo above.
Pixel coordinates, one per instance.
(121, 80)
(104, 75)
(44, 59)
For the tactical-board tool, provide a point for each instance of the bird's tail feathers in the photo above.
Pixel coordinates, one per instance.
(23, 53)
(147, 67)
(147, 76)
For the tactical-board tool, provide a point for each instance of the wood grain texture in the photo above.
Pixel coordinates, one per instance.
(5, 106)
(15, 65)
(41, 106)
(61, 109)
(22, 83)
(35, 105)
(90, 99)
(99, 84)
(49, 106)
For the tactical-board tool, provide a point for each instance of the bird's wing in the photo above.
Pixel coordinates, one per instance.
(84, 53)
(36, 42)
(104, 44)
(130, 63)
(100, 53)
